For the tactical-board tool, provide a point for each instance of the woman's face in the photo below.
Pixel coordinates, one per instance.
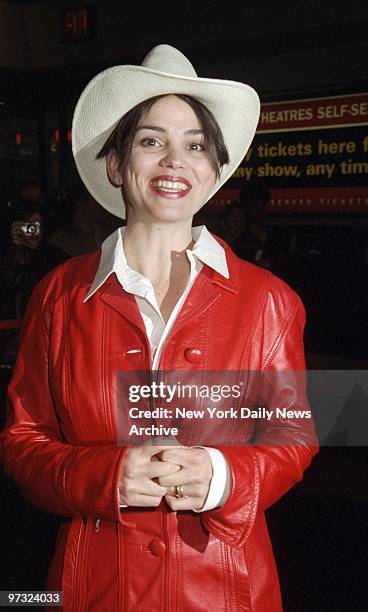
(168, 176)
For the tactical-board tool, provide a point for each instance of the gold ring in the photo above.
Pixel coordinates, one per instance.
(179, 491)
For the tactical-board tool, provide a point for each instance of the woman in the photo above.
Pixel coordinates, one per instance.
(157, 524)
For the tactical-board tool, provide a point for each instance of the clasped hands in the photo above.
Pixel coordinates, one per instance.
(150, 473)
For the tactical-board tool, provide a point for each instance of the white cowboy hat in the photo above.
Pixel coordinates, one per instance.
(165, 70)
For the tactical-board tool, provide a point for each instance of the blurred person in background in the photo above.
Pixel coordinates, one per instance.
(28, 256)
(233, 224)
(25, 258)
(85, 224)
(264, 246)
(31, 190)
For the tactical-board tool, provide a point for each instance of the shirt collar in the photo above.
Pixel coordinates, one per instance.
(206, 249)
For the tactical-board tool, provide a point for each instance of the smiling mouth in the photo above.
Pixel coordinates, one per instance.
(172, 185)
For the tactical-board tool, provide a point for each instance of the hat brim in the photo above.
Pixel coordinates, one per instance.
(115, 91)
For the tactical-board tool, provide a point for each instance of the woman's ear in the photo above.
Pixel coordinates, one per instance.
(113, 168)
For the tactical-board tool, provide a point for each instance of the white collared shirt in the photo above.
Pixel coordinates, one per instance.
(206, 250)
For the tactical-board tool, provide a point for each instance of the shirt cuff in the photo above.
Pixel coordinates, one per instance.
(220, 483)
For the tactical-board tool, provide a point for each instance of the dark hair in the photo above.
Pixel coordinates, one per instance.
(121, 138)
(24, 208)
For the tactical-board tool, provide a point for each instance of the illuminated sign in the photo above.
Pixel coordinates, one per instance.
(311, 155)
(78, 23)
(314, 113)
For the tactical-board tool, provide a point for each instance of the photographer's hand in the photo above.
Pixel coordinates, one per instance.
(21, 239)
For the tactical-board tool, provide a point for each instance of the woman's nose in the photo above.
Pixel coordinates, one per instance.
(173, 158)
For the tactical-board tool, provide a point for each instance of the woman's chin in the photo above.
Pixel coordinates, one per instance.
(171, 217)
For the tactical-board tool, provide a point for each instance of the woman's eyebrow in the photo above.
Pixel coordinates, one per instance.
(156, 128)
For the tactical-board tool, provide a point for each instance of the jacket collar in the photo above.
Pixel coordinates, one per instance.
(206, 248)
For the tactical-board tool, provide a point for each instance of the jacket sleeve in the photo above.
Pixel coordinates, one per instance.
(55, 476)
(283, 447)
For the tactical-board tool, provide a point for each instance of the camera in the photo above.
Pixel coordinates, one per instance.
(31, 229)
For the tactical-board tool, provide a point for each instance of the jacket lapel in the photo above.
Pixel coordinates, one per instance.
(124, 303)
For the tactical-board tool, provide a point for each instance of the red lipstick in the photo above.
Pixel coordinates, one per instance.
(169, 186)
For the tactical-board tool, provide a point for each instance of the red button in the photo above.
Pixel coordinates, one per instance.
(157, 547)
(193, 355)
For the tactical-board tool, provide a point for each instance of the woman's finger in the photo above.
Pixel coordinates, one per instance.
(182, 477)
(183, 503)
(197, 491)
(180, 455)
(196, 473)
(181, 490)
(131, 489)
(139, 500)
(160, 469)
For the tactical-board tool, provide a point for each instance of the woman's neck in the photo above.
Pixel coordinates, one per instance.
(157, 250)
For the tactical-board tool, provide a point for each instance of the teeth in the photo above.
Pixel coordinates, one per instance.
(171, 185)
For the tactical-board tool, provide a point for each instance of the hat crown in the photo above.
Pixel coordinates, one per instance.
(165, 58)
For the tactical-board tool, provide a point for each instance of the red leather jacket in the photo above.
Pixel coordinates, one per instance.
(60, 441)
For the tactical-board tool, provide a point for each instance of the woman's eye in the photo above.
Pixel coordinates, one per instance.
(150, 142)
(196, 146)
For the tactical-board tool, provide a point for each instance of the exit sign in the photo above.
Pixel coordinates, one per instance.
(78, 23)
